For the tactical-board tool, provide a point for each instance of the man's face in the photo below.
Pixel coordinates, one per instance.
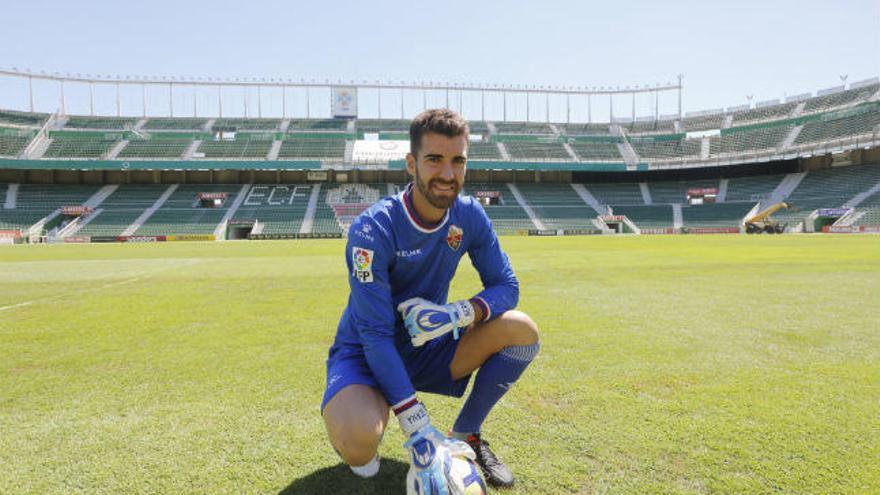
(440, 168)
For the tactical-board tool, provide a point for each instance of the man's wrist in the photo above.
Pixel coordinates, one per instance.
(481, 309)
(465, 311)
(412, 415)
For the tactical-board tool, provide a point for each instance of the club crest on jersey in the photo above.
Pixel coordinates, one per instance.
(453, 237)
(362, 263)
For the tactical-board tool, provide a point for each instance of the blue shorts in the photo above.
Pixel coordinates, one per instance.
(427, 367)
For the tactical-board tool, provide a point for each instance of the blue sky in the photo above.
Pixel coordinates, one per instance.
(726, 50)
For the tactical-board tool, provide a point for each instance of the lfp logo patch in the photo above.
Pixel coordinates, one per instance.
(453, 237)
(362, 262)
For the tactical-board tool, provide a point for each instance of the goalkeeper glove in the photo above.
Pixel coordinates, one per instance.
(426, 321)
(430, 452)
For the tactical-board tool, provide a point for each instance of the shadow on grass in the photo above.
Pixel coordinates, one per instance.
(340, 480)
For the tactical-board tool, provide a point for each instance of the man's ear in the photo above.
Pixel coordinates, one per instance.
(411, 164)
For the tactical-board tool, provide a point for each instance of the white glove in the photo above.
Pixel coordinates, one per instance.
(430, 454)
(426, 321)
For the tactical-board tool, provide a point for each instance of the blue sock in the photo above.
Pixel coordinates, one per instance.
(493, 380)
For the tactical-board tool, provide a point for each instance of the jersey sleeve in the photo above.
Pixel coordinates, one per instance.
(501, 288)
(369, 253)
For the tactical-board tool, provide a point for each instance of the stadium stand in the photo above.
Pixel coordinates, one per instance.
(22, 118)
(36, 201)
(558, 206)
(651, 126)
(622, 193)
(703, 122)
(828, 188)
(181, 213)
(715, 215)
(508, 216)
(246, 125)
(243, 146)
(863, 119)
(822, 103)
(871, 217)
(527, 150)
(750, 139)
(483, 151)
(157, 147)
(121, 209)
(764, 113)
(302, 146)
(13, 142)
(80, 144)
(325, 220)
(478, 127)
(387, 125)
(175, 124)
(112, 123)
(666, 150)
(653, 141)
(523, 128)
(669, 192)
(280, 208)
(585, 129)
(752, 189)
(870, 210)
(653, 216)
(318, 125)
(597, 151)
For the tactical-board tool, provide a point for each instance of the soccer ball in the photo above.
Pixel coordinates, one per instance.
(464, 474)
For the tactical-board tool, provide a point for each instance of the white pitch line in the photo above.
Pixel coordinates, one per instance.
(4, 308)
(49, 298)
(121, 282)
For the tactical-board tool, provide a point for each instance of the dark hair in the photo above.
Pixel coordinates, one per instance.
(438, 120)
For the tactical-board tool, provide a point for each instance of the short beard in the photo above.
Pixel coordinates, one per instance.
(434, 200)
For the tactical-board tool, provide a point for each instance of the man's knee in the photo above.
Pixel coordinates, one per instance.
(355, 420)
(523, 330)
(357, 444)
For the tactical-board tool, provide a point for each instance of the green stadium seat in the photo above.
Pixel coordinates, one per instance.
(523, 128)
(558, 206)
(304, 147)
(528, 150)
(483, 151)
(703, 122)
(121, 209)
(13, 141)
(22, 118)
(749, 140)
(176, 124)
(862, 120)
(666, 150)
(243, 146)
(647, 217)
(769, 112)
(155, 148)
(110, 123)
(280, 208)
(80, 145)
(715, 215)
(822, 103)
(318, 125)
(247, 124)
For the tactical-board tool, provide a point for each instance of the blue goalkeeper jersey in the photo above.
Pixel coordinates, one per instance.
(393, 255)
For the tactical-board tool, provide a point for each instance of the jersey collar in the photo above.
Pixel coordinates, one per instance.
(414, 218)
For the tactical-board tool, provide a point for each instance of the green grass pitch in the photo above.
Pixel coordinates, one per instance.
(673, 364)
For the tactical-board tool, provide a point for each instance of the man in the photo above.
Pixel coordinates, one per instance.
(397, 335)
